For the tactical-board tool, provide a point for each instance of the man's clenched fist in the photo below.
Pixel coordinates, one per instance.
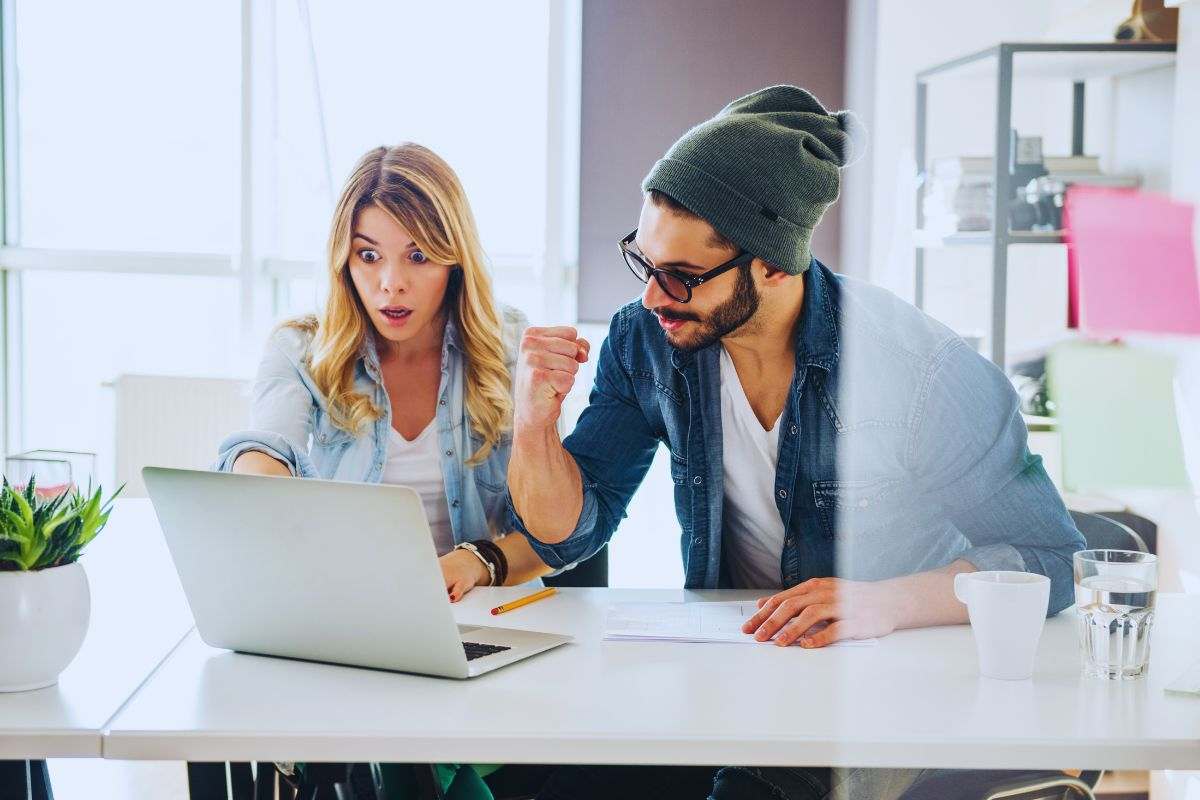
(546, 369)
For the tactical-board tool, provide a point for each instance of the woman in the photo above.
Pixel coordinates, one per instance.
(406, 376)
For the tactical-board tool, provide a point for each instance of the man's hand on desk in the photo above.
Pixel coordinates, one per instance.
(822, 611)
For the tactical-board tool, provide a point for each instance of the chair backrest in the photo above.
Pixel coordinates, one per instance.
(591, 573)
(1102, 533)
(992, 784)
(1143, 527)
(170, 421)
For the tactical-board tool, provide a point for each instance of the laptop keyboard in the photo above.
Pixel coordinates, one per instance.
(476, 650)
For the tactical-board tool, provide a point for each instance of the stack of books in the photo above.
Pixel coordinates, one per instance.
(959, 193)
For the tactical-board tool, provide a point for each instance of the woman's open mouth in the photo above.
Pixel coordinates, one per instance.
(396, 315)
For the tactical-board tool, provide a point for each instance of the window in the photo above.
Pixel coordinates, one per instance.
(476, 93)
(130, 143)
(128, 190)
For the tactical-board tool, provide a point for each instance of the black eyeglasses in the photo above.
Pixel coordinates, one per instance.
(677, 285)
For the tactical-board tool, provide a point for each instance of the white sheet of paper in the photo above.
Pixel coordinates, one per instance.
(687, 622)
(1188, 682)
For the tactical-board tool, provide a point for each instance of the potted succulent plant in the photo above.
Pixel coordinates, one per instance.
(45, 602)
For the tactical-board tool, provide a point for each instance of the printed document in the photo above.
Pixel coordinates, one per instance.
(686, 622)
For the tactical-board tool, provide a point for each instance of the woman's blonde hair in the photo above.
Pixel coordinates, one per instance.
(421, 193)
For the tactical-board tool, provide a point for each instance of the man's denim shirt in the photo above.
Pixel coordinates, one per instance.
(901, 449)
(290, 421)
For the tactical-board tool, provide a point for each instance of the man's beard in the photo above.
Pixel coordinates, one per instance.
(723, 320)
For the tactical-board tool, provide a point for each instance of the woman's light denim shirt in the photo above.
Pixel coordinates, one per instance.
(290, 421)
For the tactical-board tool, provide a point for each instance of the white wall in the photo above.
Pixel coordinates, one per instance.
(910, 36)
(652, 70)
(1124, 125)
(1147, 123)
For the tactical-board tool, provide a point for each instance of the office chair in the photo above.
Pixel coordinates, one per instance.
(25, 779)
(1143, 527)
(960, 784)
(1104, 533)
(591, 573)
(322, 781)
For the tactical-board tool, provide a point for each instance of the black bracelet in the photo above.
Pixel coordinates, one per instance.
(492, 552)
(501, 562)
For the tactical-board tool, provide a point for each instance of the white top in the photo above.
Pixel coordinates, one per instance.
(417, 464)
(753, 530)
(914, 700)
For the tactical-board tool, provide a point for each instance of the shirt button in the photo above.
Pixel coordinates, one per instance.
(454, 503)
(698, 540)
(783, 493)
(792, 430)
(697, 480)
(788, 542)
(442, 402)
(449, 452)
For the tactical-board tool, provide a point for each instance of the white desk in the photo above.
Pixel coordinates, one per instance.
(913, 700)
(138, 614)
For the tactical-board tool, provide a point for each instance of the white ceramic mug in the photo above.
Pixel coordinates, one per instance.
(1008, 612)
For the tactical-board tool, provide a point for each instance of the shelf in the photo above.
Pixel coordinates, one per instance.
(929, 240)
(1073, 61)
(1035, 237)
(1004, 65)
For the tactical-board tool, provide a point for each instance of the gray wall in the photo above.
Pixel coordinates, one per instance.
(654, 68)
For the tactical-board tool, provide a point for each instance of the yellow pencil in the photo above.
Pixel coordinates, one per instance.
(524, 601)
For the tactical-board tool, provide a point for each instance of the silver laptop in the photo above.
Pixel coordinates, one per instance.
(321, 570)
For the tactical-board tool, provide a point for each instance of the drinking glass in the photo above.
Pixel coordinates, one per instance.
(53, 471)
(1114, 601)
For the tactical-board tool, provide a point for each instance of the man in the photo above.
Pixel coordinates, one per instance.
(829, 443)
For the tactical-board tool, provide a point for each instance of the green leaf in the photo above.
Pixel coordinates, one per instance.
(40, 532)
(51, 526)
(19, 529)
(24, 506)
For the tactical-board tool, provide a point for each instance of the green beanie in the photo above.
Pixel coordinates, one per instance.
(762, 171)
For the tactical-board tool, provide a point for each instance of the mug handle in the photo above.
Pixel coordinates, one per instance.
(960, 587)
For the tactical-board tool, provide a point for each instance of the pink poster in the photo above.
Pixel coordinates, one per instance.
(1131, 263)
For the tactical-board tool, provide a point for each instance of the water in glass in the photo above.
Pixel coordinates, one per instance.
(1114, 599)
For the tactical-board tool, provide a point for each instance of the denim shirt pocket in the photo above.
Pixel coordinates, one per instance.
(491, 474)
(325, 433)
(329, 443)
(852, 508)
(491, 479)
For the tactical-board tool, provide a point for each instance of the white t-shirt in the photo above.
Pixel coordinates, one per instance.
(753, 530)
(417, 464)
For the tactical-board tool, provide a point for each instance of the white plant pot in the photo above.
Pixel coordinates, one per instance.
(43, 619)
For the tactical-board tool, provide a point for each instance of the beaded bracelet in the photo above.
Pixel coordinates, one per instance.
(493, 553)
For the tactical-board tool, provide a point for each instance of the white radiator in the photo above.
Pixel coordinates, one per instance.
(167, 421)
